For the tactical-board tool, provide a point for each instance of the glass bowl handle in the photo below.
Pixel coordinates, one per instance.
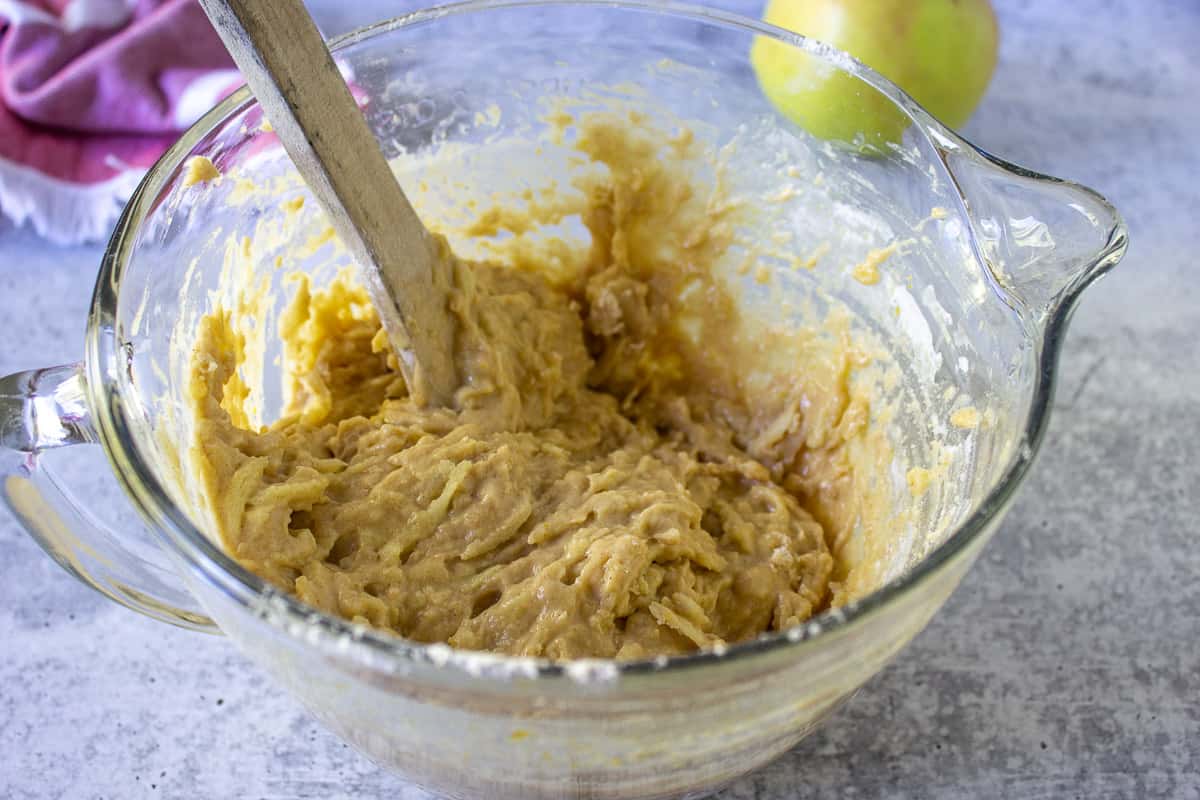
(45, 409)
(1043, 239)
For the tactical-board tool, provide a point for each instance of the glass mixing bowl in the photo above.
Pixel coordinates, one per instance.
(974, 306)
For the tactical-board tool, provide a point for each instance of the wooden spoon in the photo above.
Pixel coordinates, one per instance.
(291, 72)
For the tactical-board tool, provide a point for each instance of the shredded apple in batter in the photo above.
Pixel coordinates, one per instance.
(613, 479)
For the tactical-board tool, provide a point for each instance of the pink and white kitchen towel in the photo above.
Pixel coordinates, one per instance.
(91, 93)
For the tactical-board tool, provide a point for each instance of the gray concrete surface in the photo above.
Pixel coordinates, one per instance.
(1064, 667)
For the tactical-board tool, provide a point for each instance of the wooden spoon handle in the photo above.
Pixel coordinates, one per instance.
(291, 72)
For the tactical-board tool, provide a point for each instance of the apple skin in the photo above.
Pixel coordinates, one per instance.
(942, 52)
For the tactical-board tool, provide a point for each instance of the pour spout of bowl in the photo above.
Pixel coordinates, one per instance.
(1043, 239)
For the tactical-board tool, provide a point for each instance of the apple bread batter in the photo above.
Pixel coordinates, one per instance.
(610, 481)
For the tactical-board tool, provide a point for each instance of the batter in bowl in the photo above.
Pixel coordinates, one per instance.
(616, 478)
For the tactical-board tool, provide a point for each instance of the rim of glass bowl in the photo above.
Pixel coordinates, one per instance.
(106, 363)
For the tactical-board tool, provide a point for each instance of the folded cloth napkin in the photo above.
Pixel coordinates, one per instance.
(91, 93)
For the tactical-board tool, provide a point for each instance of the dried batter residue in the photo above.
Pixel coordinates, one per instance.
(966, 417)
(919, 480)
(199, 169)
(866, 271)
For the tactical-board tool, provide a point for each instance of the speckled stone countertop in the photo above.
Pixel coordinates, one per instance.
(1067, 664)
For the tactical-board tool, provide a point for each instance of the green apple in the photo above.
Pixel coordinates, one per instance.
(942, 52)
